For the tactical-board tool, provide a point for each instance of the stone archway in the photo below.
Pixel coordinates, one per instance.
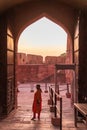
(68, 36)
(30, 12)
(26, 14)
(21, 16)
(67, 67)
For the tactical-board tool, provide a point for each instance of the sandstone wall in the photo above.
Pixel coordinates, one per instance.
(38, 73)
(38, 59)
(34, 59)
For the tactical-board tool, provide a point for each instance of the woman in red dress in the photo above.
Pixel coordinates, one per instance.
(37, 103)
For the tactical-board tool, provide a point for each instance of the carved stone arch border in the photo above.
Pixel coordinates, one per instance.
(53, 19)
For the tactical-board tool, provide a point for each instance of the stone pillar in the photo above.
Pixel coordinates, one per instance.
(82, 77)
(3, 68)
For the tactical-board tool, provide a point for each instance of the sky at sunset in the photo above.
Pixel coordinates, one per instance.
(43, 37)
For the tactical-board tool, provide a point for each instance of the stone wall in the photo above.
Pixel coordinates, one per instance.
(21, 58)
(24, 58)
(55, 59)
(38, 59)
(34, 59)
(34, 70)
(38, 73)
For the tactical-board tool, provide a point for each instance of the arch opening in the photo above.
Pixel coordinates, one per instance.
(51, 60)
(43, 34)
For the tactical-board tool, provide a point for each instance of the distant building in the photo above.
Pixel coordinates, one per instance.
(55, 59)
(61, 58)
(21, 58)
(33, 68)
(29, 59)
(34, 59)
(51, 59)
(38, 59)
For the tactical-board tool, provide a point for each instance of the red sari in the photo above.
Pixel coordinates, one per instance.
(37, 103)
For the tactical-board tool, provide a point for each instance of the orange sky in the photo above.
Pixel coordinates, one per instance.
(43, 37)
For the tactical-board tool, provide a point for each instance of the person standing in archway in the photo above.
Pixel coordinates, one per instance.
(37, 103)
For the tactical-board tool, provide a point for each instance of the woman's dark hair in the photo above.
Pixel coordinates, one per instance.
(38, 86)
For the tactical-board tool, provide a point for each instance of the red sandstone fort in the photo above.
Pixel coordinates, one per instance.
(32, 68)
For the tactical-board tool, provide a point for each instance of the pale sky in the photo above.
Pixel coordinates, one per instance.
(44, 38)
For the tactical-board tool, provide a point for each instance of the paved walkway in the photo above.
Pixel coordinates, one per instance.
(21, 118)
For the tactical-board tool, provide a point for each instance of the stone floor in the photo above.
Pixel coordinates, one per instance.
(20, 119)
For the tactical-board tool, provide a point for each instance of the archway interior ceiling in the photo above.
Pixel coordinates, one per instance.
(5, 4)
(61, 21)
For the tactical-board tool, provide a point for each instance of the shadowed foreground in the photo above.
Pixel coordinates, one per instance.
(21, 118)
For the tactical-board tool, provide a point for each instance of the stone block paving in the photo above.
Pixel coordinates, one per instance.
(20, 119)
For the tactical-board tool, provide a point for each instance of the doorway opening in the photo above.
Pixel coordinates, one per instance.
(36, 59)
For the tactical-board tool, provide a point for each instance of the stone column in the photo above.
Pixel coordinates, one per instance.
(82, 77)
